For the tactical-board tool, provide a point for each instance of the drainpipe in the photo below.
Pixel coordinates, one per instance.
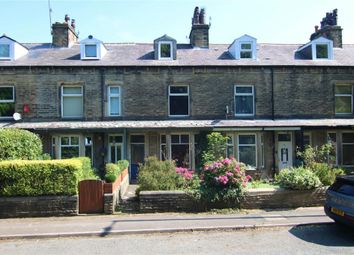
(102, 75)
(273, 132)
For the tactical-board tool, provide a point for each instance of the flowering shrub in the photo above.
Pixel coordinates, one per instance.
(185, 173)
(223, 180)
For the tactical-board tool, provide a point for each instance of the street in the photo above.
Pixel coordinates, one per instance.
(316, 239)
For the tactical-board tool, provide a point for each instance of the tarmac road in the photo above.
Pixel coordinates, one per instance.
(311, 239)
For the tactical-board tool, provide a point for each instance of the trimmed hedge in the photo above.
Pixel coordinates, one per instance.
(40, 177)
(19, 144)
(113, 170)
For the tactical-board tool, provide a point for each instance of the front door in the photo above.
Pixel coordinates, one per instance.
(137, 154)
(285, 151)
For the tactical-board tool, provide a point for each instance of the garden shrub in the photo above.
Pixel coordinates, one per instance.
(159, 175)
(223, 181)
(316, 159)
(299, 178)
(216, 148)
(113, 170)
(19, 144)
(40, 177)
(326, 173)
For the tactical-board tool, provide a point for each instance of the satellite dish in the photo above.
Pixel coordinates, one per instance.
(16, 116)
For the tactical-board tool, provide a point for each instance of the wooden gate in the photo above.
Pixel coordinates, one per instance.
(91, 196)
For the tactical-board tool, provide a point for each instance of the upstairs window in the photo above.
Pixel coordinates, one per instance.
(246, 50)
(71, 102)
(178, 101)
(4, 51)
(244, 100)
(165, 50)
(7, 101)
(244, 47)
(114, 101)
(344, 99)
(90, 51)
(321, 51)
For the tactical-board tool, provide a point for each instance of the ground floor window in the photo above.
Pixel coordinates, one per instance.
(348, 149)
(69, 147)
(247, 149)
(332, 157)
(179, 149)
(307, 139)
(88, 148)
(230, 146)
(115, 148)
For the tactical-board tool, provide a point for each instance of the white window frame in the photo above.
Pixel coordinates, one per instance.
(344, 95)
(329, 49)
(8, 101)
(159, 50)
(10, 52)
(71, 95)
(247, 145)
(310, 137)
(245, 94)
(70, 145)
(112, 95)
(230, 144)
(246, 50)
(336, 144)
(91, 44)
(115, 144)
(89, 145)
(181, 143)
(178, 94)
(342, 146)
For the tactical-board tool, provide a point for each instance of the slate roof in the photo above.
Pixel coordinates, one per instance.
(188, 124)
(143, 55)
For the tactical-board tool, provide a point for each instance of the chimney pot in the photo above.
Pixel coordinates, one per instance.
(199, 35)
(73, 23)
(67, 18)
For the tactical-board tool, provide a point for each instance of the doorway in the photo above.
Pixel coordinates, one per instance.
(285, 150)
(137, 155)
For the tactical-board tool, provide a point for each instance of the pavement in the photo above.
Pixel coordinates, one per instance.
(120, 224)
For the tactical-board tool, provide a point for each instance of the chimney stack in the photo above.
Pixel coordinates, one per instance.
(199, 35)
(329, 29)
(64, 34)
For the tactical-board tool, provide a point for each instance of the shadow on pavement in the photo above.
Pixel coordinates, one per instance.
(326, 235)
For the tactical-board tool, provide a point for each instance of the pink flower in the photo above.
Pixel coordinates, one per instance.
(226, 161)
(229, 174)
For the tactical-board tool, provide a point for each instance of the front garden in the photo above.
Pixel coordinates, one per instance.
(223, 181)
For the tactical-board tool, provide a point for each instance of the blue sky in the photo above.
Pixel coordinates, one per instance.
(270, 21)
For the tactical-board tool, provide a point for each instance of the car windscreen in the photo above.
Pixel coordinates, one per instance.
(343, 188)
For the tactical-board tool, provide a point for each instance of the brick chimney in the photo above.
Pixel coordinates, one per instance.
(329, 29)
(64, 34)
(199, 35)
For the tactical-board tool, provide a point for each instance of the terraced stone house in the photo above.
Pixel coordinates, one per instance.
(128, 101)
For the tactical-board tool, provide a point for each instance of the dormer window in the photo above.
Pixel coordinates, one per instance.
(246, 50)
(244, 47)
(92, 49)
(321, 51)
(10, 49)
(165, 48)
(5, 51)
(318, 49)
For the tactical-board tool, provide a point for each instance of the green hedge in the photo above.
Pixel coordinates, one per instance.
(299, 178)
(40, 177)
(19, 144)
(113, 170)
